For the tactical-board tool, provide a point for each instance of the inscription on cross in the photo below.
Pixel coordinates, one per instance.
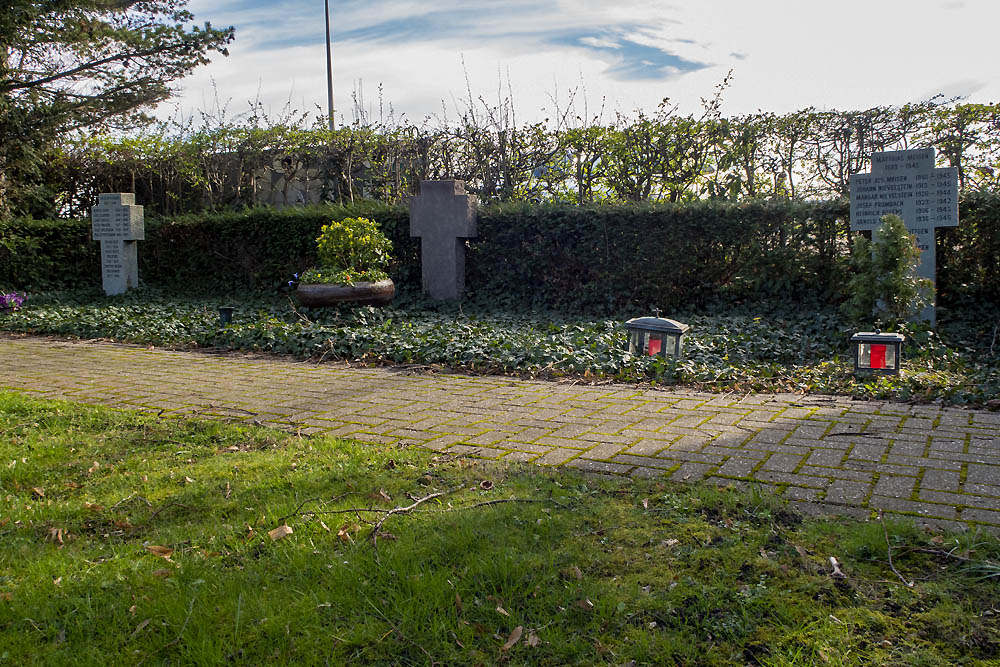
(117, 223)
(443, 215)
(907, 183)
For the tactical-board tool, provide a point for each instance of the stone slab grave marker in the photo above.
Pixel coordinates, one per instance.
(117, 223)
(443, 216)
(907, 183)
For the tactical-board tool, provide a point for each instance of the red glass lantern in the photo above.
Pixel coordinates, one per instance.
(656, 336)
(877, 352)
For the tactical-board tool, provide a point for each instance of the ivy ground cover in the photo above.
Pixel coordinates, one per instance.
(788, 349)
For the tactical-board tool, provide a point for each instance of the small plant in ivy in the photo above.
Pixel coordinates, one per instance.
(884, 285)
(350, 250)
(11, 301)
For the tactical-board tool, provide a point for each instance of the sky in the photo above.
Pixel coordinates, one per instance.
(423, 59)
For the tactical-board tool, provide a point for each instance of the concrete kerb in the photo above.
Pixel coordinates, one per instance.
(936, 465)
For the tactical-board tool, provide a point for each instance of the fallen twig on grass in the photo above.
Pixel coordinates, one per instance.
(377, 524)
(295, 512)
(130, 497)
(498, 501)
(167, 506)
(885, 531)
(405, 510)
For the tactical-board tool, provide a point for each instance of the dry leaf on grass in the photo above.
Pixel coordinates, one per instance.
(162, 573)
(515, 636)
(93, 507)
(585, 604)
(281, 531)
(162, 552)
(37, 492)
(92, 468)
(458, 602)
(532, 639)
(501, 610)
(344, 533)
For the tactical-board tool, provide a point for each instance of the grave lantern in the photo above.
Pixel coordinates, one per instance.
(656, 336)
(877, 352)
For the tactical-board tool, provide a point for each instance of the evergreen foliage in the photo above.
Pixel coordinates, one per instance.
(884, 285)
(83, 64)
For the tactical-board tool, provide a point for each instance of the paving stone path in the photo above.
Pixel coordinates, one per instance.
(825, 454)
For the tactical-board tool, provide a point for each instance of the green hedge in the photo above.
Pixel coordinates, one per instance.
(257, 247)
(596, 257)
(666, 255)
(252, 248)
(46, 253)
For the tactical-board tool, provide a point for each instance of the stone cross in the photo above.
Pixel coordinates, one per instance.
(117, 224)
(443, 216)
(907, 183)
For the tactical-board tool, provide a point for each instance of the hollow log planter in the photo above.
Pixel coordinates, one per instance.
(364, 293)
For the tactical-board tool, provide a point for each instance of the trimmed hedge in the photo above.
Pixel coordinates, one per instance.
(597, 257)
(252, 248)
(258, 247)
(668, 255)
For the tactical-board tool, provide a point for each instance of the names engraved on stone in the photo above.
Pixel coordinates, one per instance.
(907, 183)
(118, 223)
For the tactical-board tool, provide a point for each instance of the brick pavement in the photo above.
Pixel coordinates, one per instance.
(824, 454)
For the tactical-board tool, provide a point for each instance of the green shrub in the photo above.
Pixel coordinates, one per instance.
(353, 249)
(885, 286)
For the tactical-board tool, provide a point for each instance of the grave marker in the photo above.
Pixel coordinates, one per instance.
(117, 223)
(443, 216)
(908, 184)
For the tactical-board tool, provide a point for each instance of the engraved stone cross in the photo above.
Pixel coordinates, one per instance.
(443, 216)
(117, 223)
(906, 183)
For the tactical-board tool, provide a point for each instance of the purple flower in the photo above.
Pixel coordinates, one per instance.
(11, 301)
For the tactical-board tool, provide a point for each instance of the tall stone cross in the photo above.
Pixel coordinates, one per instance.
(117, 223)
(907, 183)
(443, 216)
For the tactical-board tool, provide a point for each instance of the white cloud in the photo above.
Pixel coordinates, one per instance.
(785, 54)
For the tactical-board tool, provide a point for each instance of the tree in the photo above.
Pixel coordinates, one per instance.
(68, 65)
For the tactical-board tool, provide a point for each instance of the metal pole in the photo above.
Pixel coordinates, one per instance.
(329, 66)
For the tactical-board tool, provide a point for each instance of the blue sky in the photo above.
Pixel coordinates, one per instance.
(427, 57)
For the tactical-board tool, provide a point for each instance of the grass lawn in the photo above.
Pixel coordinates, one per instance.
(794, 348)
(127, 539)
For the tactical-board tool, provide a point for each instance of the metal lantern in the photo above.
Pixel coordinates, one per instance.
(225, 315)
(656, 336)
(877, 352)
